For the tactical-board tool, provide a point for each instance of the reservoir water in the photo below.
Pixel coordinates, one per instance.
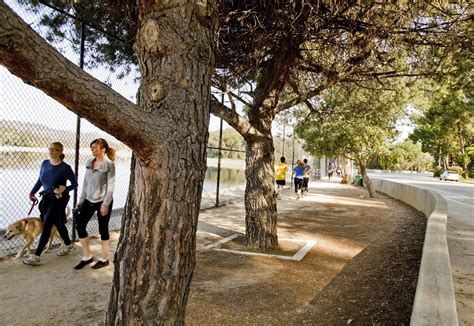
(16, 184)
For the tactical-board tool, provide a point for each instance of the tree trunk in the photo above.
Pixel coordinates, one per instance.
(446, 162)
(463, 153)
(167, 132)
(367, 182)
(155, 256)
(346, 175)
(260, 200)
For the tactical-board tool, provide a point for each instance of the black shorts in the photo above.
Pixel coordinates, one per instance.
(281, 182)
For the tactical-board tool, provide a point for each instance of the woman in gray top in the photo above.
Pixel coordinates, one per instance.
(96, 196)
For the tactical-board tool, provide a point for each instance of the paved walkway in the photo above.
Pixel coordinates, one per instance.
(347, 276)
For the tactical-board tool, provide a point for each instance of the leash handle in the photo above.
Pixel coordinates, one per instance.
(33, 204)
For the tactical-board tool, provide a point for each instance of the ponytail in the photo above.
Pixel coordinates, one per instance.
(110, 153)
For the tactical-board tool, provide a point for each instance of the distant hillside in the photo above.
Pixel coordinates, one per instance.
(26, 134)
(231, 139)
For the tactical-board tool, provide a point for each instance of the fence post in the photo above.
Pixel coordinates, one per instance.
(292, 160)
(219, 157)
(78, 134)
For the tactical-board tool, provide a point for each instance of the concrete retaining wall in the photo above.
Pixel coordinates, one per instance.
(435, 302)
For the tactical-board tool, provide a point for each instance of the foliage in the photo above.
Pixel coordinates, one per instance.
(437, 171)
(357, 122)
(403, 156)
(108, 27)
(445, 123)
(446, 128)
(306, 43)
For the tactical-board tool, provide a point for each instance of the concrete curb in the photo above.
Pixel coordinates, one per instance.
(435, 302)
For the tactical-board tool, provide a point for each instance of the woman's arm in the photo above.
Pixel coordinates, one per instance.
(82, 197)
(72, 179)
(110, 184)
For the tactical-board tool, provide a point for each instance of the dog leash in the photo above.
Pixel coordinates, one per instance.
(33, 204)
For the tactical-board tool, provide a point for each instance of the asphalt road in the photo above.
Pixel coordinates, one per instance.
(460, 234)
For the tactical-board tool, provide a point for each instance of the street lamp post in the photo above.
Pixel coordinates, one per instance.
(283, 141)
(292, 159)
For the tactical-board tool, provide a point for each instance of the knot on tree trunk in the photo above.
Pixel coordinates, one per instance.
(150, 36)
(156, 91)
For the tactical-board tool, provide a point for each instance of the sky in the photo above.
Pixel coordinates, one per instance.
(24, 103)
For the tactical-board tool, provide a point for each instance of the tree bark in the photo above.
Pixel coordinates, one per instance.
(155, 258)
(168, 133)
(446, 162)
(260, 196)
(463, 153)
(260, 201)
(346, 176)
(367, 182)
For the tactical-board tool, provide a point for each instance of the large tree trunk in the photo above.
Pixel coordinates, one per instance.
(367, 182)
(155, 257)
(463, 153)
(260, 200)
(168, 133)
(446, 162)
(346, 175)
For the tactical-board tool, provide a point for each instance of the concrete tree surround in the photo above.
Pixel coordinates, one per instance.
(435, 302)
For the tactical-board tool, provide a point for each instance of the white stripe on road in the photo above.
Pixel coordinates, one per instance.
(449, 192)
(459, 202)
(454, 195)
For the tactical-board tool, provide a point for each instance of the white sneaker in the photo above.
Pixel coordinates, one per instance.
(66, 250)
(297, 196)
(32, 260)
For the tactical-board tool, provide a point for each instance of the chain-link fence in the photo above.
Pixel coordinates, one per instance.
(31, 120)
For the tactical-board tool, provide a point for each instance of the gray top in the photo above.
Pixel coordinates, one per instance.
(99, 183)
(307, 168)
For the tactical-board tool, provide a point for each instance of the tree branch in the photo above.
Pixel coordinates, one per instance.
(241, 125)
(27, 55)
(220, 85)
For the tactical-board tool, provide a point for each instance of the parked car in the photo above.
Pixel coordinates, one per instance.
(449, 175)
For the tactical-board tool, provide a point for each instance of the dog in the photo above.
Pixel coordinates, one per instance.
(29, 229)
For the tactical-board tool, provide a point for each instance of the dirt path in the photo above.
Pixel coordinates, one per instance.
(362, 270)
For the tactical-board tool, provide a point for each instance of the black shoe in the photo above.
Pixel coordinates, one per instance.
(100, 264)
(83, 263)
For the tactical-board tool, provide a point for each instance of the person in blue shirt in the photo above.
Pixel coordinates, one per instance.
(54, 174)
(298, 172)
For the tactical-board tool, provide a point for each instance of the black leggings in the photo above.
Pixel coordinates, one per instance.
(86, 212)
(298, 185)
(53, 214)
(305, 184)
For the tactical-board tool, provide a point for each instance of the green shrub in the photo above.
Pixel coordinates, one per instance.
(437, 171)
